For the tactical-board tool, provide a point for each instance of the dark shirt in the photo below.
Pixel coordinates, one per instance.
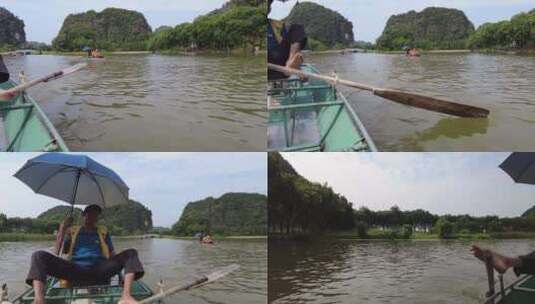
(87, 251)
(280, 41)
(4, 73)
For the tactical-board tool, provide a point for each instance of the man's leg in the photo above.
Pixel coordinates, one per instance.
(127, 260)
(39, 291)
(45, 264)
(502, 263)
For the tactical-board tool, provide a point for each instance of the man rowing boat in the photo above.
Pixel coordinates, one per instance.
(284, 45)
(4, 76)
(501, 263)
(92, 259)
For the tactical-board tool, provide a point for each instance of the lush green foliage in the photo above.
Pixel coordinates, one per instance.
(111, 29)
(322, 24)
(433, 28)
(240, 25)
(297, 205)
(230, 214)
(132, 218)
(519, 33)
(12, 32)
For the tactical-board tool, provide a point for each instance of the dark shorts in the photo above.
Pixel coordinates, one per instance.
(45, 264)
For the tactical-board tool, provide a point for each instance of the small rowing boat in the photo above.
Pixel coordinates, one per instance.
(522, 291)
(110, 294)
(102, 294)
(313, 115)
(24, 127)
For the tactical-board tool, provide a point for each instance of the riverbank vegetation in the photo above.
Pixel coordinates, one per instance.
(518, 33)
(299, 208)
(130, 219)
(239, 26)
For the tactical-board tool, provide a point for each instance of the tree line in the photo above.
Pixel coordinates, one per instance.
(517, 33)
(237, 27)
(297, 206)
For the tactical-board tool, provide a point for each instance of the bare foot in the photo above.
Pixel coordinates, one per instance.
(499, 262)
(127, 300)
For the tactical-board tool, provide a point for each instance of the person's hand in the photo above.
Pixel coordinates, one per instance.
(6, 96)
(67, 223)
(295, 61)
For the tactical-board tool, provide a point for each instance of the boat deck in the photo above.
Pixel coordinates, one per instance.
(94, 295)
(24, 126)
(313, 116)
(521, 293)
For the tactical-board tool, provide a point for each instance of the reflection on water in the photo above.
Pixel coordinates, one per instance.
(503, 84)
(154, 103)
(174, 261)
(343, 271)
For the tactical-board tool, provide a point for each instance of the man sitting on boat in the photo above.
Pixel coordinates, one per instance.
(284, 46)
(91, 259)
(521, 264)
(4, 76)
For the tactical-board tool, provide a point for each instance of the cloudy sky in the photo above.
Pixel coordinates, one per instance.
(163, 182)
(43, 18)
(442, 183)
(369, 16)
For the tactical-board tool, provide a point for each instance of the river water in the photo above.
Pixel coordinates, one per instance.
(504, 84)
(154, 102)
(415, 272)
(176, 262)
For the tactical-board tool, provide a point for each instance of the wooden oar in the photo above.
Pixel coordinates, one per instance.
(410, 99)
(197, 283)
(46, 78)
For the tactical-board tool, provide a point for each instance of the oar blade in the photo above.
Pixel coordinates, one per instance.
(218, 274)
(74, 68)
(432, 104)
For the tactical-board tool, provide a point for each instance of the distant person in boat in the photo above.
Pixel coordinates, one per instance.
(284, 46)
(92, 258)
(207, 239)
(4, 76)
(521, 264)
(96, 54)
(413, 52)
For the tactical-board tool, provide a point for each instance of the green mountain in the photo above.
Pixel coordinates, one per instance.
(322, 24)
(529, 213)
(432, 28)
(516, 33)
(12, 32)
(230, 214)
(132, 218)
(111, 29)
(57, 214)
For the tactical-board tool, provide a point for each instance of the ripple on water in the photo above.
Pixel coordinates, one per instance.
(494, 82)
(167, 94)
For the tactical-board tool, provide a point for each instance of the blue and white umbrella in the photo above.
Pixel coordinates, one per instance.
(75, 179)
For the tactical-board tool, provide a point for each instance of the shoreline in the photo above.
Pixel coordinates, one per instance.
(34, 237)
(526, 52)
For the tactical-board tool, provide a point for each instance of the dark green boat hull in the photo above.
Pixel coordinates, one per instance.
(106, 294)
(313, 116)
(24, 126)
(521, 292)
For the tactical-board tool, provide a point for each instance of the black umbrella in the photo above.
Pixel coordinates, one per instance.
(521, 167)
